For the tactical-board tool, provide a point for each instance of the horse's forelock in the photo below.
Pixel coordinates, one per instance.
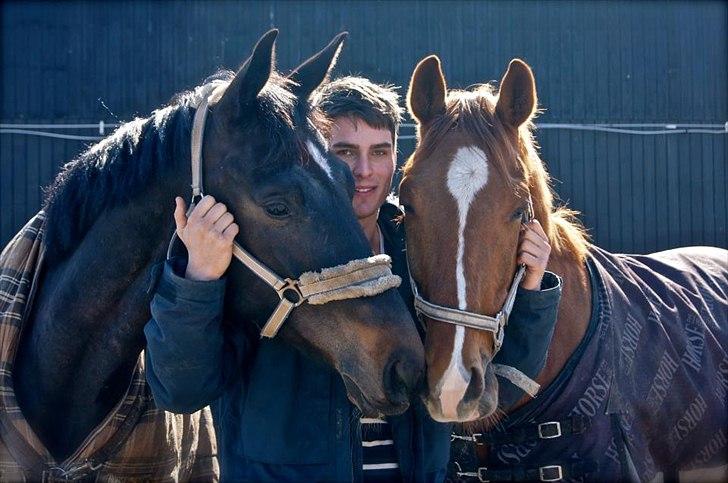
(473, 112)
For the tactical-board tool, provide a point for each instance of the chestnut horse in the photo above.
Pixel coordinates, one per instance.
(474, 173)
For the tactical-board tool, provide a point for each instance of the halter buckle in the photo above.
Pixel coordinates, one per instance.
(196, 197)
(499, 334)
(291, 288)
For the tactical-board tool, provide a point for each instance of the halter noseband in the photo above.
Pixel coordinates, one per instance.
(364, 277)
(495, 324)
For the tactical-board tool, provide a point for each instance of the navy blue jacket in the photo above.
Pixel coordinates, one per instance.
(278, 414)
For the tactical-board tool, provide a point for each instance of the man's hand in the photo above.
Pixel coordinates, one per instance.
(208, 235)
(533, 251)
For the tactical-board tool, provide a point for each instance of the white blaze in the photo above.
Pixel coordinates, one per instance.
(319, 157)
(467, 175)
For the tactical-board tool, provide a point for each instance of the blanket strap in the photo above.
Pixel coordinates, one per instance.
(21, 451)
(556, 472)
(576, 424)
(84, 470)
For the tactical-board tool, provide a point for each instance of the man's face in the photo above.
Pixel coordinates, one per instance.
(371, 155)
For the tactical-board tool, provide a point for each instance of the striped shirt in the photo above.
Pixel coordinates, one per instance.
(379, 454)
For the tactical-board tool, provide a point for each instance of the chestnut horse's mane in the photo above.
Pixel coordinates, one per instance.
(473, 112)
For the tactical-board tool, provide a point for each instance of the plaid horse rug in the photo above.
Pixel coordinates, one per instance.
(645, 391)
(136, 441)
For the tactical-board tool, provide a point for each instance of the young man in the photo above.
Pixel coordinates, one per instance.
(188, 304)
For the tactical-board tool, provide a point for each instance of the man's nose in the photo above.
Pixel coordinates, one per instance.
(362, 167)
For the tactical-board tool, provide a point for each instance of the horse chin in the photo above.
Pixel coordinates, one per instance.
(371, 407)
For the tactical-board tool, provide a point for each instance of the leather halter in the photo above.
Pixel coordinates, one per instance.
(495, 324)
(358, 278)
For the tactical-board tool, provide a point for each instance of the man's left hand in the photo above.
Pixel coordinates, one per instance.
(533, 251)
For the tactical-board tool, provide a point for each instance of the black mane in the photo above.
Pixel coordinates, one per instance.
(123, 165)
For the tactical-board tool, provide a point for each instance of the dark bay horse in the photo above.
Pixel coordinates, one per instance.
(639, 350)
(109, 221)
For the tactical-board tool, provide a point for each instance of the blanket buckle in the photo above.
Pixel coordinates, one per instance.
(549, 430)
(550, 473)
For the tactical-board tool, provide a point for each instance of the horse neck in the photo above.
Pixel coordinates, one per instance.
(90, 312)
(571, 324)
(573, 315)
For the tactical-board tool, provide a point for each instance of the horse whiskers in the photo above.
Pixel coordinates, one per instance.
(490, 422)
(498, 416)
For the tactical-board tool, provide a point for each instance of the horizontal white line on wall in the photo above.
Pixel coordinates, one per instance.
(643, 129)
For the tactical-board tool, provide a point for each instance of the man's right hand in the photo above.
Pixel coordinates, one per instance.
(208, 234)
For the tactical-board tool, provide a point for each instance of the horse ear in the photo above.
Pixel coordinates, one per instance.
(517, 94)
(313, 72)
(427, 90)
(251, 77)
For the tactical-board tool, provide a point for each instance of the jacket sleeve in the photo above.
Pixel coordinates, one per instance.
(187, 357)
(528, 333)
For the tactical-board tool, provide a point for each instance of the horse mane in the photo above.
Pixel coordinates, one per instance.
(120, 167)
(473, 111)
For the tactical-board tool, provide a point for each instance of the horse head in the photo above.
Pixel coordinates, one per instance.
(465, 191)
(264, 158)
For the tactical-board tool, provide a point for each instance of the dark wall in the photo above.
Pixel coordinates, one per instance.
(594, 61)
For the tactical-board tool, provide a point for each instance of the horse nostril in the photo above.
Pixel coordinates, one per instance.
(401, 379)
(475, 387)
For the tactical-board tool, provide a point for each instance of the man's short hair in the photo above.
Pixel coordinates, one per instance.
(357, 97)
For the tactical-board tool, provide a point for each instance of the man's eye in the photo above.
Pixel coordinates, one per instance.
(277, 209)
(345, 153)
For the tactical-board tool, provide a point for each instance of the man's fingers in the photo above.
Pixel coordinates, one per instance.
(535, 247)
(534, 257)
(527, 259)
(180, 213)
(532, 234)
(231, 232)
(223, 222)
(214, 214)
(535, 227)
(202, 207)
(530, 257)
(535, 239)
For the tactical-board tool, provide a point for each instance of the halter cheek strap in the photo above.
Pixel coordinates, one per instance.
(495, 324)
(358, 278)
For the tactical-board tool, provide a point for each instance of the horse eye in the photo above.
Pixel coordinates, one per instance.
(277, 209)
(518, 214)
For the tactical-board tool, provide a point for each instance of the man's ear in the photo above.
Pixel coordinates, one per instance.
(315, 71)
(427, 90)
(517, 95)
(250, 78)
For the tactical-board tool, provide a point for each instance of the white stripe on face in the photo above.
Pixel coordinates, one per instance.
(467, 175)
(319, 157)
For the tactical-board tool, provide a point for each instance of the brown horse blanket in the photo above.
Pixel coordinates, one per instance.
(645, 391)
(136, 441)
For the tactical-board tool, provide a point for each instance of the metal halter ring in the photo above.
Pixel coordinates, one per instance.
(291, 287)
